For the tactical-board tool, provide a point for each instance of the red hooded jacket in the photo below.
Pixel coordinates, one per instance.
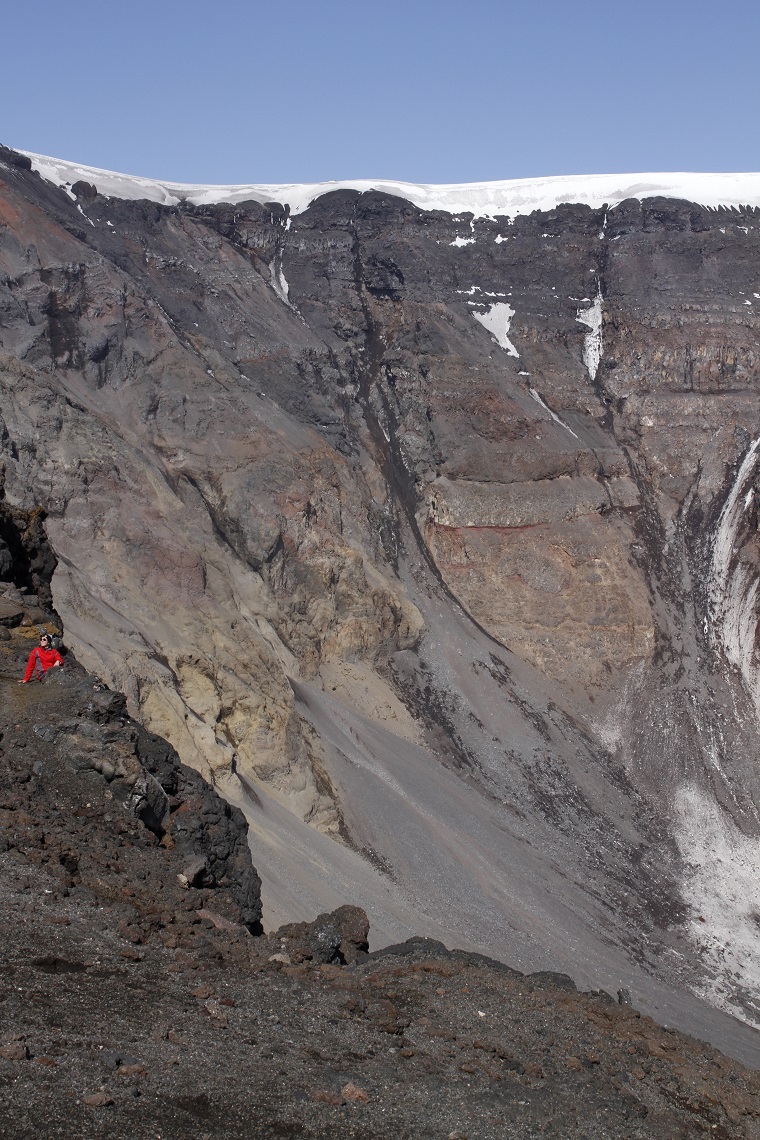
(47, 658)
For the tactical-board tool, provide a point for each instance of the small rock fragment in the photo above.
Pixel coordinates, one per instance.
(219, 921)
(131, 1070)
(98, 1100)
(203, 992)
(351, 1093)
(324, 1096)
(192, 873)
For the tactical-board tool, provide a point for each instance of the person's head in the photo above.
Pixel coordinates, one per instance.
(45, 641)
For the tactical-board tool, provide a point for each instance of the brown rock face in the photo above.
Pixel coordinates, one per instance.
(340, 503)
(561, 593)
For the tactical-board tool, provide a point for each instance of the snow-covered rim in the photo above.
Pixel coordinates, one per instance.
(481, 199)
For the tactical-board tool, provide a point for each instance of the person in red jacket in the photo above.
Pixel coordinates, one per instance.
(44, 657)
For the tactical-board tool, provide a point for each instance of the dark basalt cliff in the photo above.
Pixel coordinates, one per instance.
(432, 542)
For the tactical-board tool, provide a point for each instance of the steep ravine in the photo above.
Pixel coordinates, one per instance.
(389, 519)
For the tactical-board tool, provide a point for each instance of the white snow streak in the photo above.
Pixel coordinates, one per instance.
(81, 211)
(497, 320)
(555, 417)
(592, 347)
(477, 289)
(481, 199)
(277, 279)
(733, 585)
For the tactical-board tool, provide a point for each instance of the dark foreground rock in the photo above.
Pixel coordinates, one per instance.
(105, 1039)
(89, 795)
(136, 1002)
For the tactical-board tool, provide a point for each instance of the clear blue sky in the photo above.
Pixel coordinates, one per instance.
(444, 91)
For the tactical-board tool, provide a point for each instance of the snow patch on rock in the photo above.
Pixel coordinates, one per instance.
(592, 345)
(277, 279)
(497, 320)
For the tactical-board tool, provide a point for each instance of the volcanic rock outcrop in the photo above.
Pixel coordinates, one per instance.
(434, 532)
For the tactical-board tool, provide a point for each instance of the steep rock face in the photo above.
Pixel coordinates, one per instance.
(548, 471)
(342, 497)
(196, 512)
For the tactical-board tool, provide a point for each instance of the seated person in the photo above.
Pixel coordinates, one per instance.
(45, 656)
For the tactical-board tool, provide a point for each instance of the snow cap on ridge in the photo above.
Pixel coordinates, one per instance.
(481, 199)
